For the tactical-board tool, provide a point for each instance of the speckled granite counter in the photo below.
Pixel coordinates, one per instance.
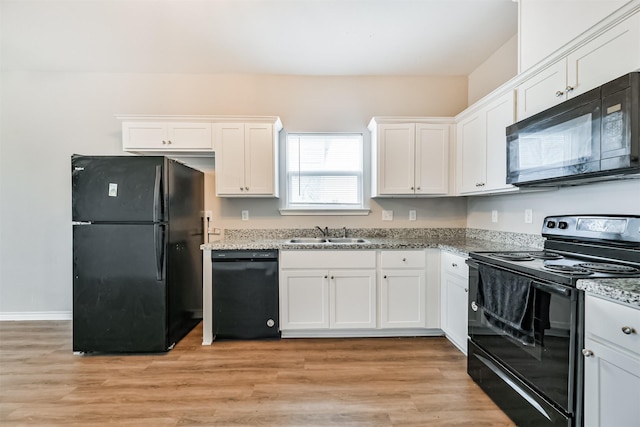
(625, 291)
(459, 241)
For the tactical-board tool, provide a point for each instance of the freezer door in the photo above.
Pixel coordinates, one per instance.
(118, 189)
(119, 288)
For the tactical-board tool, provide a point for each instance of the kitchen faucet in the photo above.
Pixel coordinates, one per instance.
(325, 231)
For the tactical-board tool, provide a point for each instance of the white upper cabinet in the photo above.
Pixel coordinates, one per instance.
(599, 60)
(167, 136)
(410, 156)
(247, 159)
(481, 147)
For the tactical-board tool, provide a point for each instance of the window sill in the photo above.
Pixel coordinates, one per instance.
(326, 212)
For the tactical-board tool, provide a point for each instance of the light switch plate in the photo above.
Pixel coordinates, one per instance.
(412, 215)
(245, 215)
(387, 215)
(494, 216)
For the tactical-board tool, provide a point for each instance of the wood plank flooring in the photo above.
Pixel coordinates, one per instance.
(289, 382)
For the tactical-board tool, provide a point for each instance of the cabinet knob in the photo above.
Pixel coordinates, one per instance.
(241, 189)
(169, 142)
(412, 188)
(628, 330)
(559, 94)
(586, 352)
(404, 259)
(385, 276)
(326, 277)
(569, 89)
(466, 289)
(246, 188)
(453, 264)
(164, 142)
(331, 277)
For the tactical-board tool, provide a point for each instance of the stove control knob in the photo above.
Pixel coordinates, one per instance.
(551, 224)
(474, 306)
(563, 225)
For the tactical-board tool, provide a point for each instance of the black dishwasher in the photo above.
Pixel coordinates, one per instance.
(245, 294)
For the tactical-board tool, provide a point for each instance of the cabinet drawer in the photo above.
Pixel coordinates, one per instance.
(402, 259)
(454, 264)
(327, 259)
(606, 320)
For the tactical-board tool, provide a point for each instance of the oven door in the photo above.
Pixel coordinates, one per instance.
(542, 352)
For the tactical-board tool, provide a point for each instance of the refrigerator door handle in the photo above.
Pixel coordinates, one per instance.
(158, 240)
(157, 196)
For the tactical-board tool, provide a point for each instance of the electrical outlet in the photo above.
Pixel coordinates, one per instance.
(528, 216)
(387, 215)
(412, 215)
(208, 215)
(494, 216)
(245, 215)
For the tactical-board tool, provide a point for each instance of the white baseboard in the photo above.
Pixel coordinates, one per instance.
(36, 315)
(361, 333)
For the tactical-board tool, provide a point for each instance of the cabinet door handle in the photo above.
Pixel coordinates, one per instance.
(559, 94)
(586, 352)
(628, 330)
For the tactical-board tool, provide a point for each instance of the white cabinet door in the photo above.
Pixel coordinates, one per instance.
(454, 284)
(189, 136)
(230, 163)
(352, 299)
(543, 90)
(144, 135)
(610, 55)
(396, 161)
(471, 154)
(455, 296)
(259, 159)
(304, 299)
(611, 364)
(431, 159)
(403, 298)
(499, 114)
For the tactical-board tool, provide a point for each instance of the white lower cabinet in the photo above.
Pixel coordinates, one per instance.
(402, 289)
(454, 284)
(327, 289)
(612, 364)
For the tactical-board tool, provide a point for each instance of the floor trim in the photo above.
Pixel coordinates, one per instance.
(36, 315)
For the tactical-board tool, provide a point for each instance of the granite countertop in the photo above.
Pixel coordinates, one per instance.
(460, 245)
(625, 291)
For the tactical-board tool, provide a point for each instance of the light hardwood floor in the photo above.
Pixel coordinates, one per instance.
(290, 382)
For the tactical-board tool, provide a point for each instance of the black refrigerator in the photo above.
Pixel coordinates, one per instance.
(137, 264)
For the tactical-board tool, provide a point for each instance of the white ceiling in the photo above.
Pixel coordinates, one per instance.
(305, 37)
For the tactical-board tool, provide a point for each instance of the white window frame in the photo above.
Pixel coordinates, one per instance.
(285, 209)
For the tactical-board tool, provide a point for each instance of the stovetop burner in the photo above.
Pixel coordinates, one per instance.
(603, 267)
(574, 270)
(527, 256)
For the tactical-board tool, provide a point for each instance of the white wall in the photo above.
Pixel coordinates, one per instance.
(496, 70)
(48, 116)
(615, 197)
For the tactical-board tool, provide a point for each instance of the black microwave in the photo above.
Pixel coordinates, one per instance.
(591, 137)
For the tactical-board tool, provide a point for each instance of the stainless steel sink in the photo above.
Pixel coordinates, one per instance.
(349, 240)
(324, 240)
(307, 240)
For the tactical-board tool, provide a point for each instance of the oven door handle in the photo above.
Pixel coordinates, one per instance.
(552, 289)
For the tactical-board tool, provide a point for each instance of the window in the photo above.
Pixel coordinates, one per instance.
(324, 171)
